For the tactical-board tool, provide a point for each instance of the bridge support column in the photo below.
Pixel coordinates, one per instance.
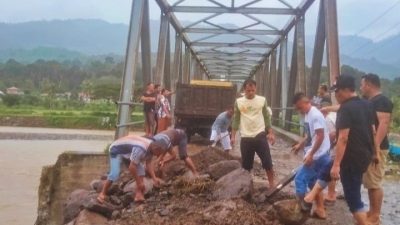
(274, 103)
(167, 66)
(332, 41)
(292, 79)
(131, 57)
(186, 66)
(318, 54)
(265, 75)
(301, 55)
(162, 46)
(272, 80)
(260, 81)
(145, 46)
(177, 62)
(284, 77)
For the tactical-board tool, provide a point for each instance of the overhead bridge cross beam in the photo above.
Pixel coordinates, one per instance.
(232, 31)
(233, 45)
(243, 10)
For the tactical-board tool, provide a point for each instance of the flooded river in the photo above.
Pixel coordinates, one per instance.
(21, 161)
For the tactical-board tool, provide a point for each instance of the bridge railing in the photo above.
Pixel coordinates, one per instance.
(292, 125)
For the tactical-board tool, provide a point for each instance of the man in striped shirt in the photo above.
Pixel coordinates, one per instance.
(137, 150)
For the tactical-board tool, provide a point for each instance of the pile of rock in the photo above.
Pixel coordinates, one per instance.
(222, 195)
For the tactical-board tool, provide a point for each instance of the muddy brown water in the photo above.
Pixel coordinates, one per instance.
(24, 151)
(22, 157)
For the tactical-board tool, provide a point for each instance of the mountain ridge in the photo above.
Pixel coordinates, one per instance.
(79, 38)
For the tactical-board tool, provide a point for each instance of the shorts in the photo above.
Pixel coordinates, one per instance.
(351, 181)
(223, 138)
(149, 119)
(259, 145)
(372, 178)
(306, 176)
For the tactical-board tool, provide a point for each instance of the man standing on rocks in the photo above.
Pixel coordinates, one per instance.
(166, 140)
(355, 145)
(316, 145)
(383, 107)
(137, 150)
(219, 130)
(253, 121)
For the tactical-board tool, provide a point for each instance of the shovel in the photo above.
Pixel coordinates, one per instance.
(217, 140)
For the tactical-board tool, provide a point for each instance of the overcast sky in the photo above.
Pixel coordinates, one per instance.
(353, 14)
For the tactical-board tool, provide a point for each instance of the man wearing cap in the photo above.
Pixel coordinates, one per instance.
(137, 150)
(355, 144)
(383, 107)
(166, 140)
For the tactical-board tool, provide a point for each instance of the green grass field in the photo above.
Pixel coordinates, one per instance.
(83, 118)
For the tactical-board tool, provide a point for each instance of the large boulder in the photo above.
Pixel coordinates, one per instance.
(106, 209)
(131, 187)
(289, 212)
(90, 218)
(236, 184)
(220, 169)
(172, 169)
(97, 185)
(74, 204)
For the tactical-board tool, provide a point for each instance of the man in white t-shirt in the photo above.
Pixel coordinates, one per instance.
(316, 145)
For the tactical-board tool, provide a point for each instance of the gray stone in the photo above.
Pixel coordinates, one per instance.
(236, 184)
(116, 215)
(220, 169)
(131, 187)
(172, 169)
(289, 212)
(164, 212)
(97, 185)
(74, 204)
(115, 200)
(90, 218)
(114, 189)
(106, 209)
(126, 199)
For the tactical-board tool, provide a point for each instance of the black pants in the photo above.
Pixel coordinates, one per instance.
(259, 145)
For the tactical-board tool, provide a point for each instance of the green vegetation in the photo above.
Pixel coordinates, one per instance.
(66, 114)
(68, 94)
(55, 92)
